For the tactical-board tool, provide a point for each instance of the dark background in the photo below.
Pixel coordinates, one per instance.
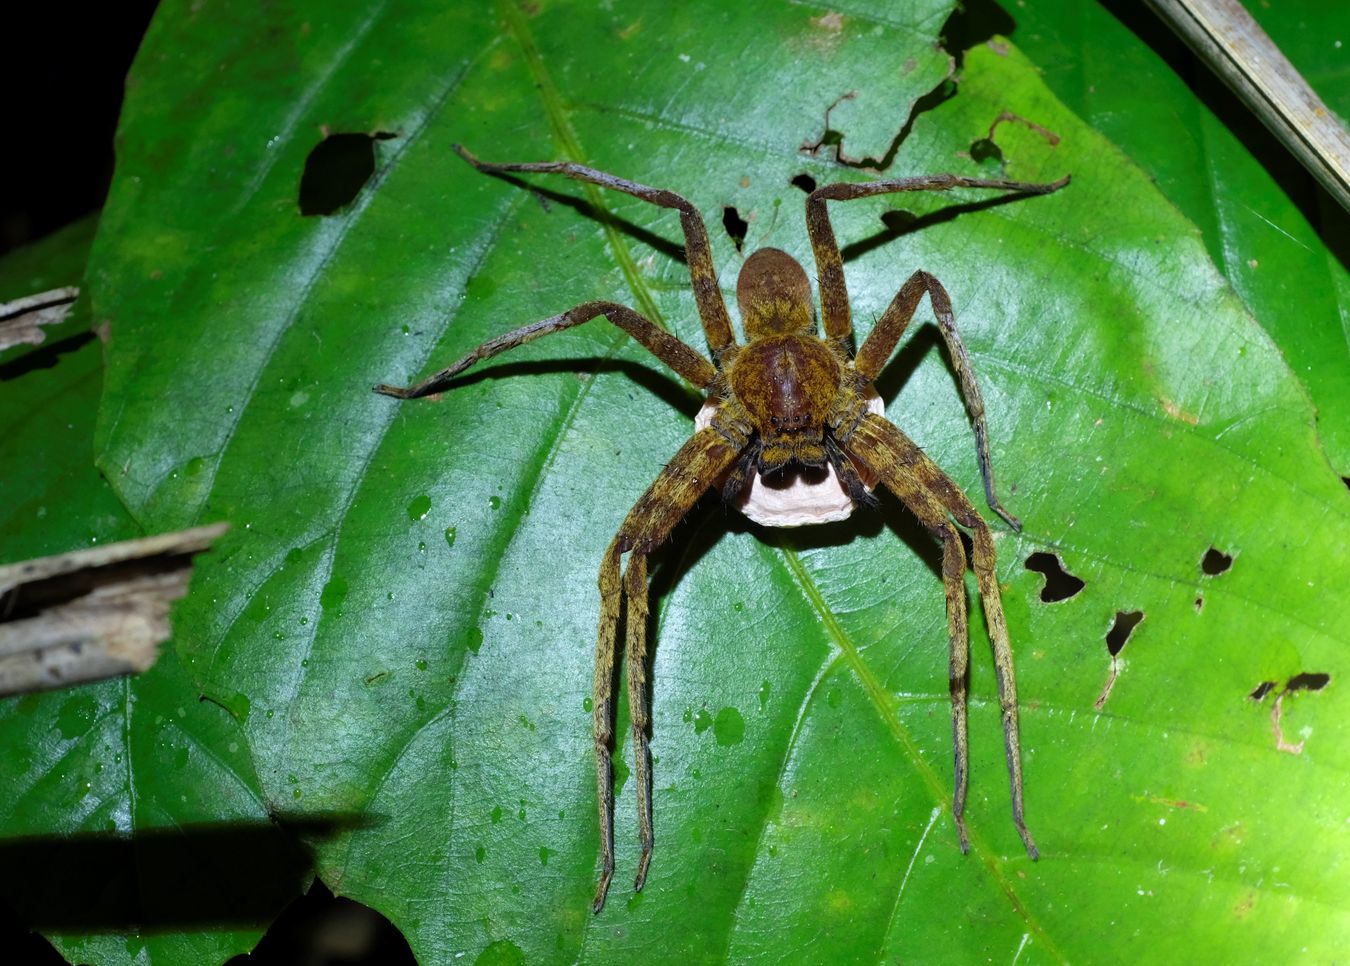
(62, 67)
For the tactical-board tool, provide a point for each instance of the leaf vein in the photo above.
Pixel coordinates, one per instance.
(358, 209)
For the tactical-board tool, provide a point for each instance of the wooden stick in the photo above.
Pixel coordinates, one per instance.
(1235, 47)
(95, 613)
(21, 320)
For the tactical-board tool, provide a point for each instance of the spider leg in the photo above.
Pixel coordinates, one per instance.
(712, 310)
(918, 482)
(834, 310)
(660, 343)
(848, 475)
(602, 712)
(639, 713)
(879, 345)
(692, 471)
(958, 663)
(925, 505)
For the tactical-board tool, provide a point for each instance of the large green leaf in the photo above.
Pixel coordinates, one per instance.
(402, 616)
(126, 803)
(1275, 235)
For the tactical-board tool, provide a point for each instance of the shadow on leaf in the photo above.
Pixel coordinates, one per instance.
(192, 876)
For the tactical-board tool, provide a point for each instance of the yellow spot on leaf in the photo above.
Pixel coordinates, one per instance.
(1176, 412)
(839, 901)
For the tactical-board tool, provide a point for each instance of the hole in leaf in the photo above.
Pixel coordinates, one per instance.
(1261, 690)
(1199, 603)
(985, 150)
(1308, 681)
(1121, 629)
(1119, 634)
(805, 182)
(1059, 583)
(320, 928)
(336, 170)
(974, 22)
(1215, 562)
(735, 225)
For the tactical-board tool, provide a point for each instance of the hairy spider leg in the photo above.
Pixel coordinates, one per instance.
(712, 310)
(693, 470)
(930, 494)
(834, 308)
(908, 486)
(636, 616)
(837, 318)
(660, 343)
(876, 443)
(884, 337)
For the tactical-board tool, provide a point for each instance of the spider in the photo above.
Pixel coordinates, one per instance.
(787, 405)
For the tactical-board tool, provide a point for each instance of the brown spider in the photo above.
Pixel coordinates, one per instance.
(787, 401)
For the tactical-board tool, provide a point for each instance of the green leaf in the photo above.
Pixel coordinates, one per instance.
(403, 614)
(52, 498)
(56, 260)
(1276, 236)
(116, 793)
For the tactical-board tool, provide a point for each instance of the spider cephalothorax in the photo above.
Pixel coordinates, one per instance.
(788, 390)
(787, 403)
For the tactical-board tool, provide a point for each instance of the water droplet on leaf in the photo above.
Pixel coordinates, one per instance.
(334, 593)
(729, 728)
(76, 716)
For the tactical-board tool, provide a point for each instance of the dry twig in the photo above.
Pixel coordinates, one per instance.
(92, 614)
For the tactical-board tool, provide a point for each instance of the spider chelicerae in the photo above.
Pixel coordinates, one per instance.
(788, 403)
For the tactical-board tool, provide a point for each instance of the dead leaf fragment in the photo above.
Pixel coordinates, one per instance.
(21, 320)
(95, 613)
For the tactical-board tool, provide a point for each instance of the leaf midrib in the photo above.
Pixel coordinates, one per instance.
(786, 558)
(884, 704)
